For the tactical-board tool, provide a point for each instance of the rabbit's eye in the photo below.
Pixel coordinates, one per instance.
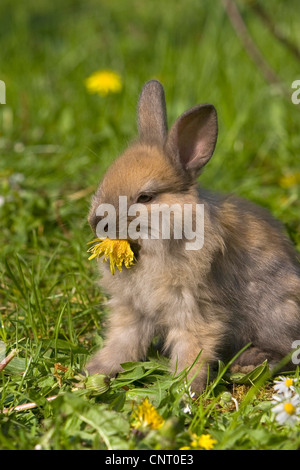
(143, 198)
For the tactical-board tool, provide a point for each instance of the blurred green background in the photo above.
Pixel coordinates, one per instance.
(57, 139)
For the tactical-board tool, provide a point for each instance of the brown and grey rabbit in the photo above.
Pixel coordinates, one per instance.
(242, 286)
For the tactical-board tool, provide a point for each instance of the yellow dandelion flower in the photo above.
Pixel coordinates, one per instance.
(203, 442)
(104, 82)
(145, 415)
(288, 181)
(118, 251)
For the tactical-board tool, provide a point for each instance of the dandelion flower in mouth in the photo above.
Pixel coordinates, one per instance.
(104, 82)
(145, 415)
(118, 251)
(285, 409)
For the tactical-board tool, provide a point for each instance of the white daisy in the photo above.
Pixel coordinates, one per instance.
(286, 410)
(285, 385)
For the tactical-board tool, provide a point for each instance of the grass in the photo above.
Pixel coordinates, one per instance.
(56, 140)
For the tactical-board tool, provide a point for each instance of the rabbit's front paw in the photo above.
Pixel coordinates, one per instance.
(97, 365)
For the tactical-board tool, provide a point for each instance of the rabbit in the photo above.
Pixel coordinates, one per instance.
(241, 287)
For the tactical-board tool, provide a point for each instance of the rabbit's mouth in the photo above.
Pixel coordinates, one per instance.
(135, 247)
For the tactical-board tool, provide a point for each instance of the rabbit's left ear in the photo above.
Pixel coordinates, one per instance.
(152, 114)
(192, 138)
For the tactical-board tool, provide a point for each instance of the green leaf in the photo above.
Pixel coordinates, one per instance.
(16, 366)
(80, 415)
(252, 376)
(133, 374)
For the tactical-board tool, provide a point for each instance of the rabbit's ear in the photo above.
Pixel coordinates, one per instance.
(192, 138)
(152, 114)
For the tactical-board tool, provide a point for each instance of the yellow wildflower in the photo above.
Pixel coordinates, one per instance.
(118, 251)
(290, 180)
(145, 415)
(203, 442)
(104, 82)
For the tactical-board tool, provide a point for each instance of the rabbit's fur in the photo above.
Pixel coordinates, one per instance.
(242, 287)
